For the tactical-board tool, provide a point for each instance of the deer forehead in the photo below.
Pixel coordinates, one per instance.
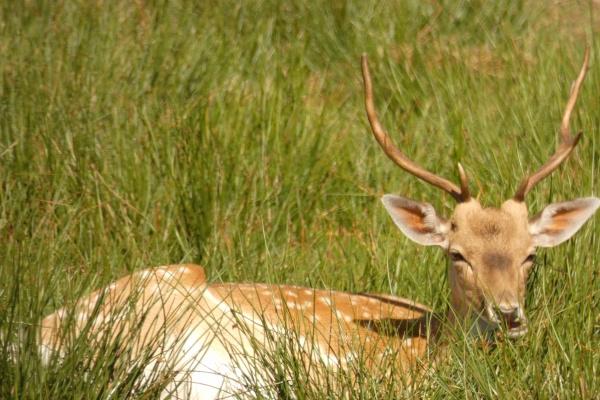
(494, 236)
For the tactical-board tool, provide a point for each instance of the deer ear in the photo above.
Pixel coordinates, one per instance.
(559, 221)
(418, 221)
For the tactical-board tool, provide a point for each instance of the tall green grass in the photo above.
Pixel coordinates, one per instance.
(232, 134)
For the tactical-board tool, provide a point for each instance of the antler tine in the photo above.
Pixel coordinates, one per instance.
(464, 183)
(564, 126)
(568, 142)
(393, 152)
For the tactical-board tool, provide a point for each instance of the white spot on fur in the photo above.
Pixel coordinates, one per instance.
(291, 293)
(385, 353)
(309, 292)
(366, 314)
(341, 315)
(302, 341)
(331, 360)
(168, 275)
(146, 274)
(408, 342)
(325, 300)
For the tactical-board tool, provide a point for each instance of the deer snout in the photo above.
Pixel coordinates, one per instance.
(514, 319)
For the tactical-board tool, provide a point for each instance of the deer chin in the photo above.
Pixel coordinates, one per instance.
(517, 331)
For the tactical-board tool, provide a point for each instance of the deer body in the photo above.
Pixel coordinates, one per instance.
(212, 335)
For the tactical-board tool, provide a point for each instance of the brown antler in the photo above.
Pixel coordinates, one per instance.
(460, 194)
(567, 141)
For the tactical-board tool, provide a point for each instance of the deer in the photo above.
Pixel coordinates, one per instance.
(204, 339)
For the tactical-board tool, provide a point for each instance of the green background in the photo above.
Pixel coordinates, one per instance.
(233, 135)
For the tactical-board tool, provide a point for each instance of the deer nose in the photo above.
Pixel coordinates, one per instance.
(511, 315)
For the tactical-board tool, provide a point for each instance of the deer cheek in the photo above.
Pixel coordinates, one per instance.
(464, 279)
(464, 272)
(472, 297)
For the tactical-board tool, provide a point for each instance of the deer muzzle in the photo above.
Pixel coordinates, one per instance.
(511, 317)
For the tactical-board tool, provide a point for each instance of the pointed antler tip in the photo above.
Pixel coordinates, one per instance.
(395, 154)
(464, 183)
(567, 140)
(364, 61)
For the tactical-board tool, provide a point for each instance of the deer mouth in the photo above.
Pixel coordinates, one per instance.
(514, 325)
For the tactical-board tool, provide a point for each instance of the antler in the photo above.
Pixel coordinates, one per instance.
(567, 143)
(460, 194)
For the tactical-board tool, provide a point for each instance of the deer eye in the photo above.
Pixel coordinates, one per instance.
(530, 259)
(455, 256)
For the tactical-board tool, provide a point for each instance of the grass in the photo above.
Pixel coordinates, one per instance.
(233, 135)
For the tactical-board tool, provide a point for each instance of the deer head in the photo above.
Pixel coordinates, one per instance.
(491, 250)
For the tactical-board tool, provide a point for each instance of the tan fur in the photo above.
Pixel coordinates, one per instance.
(184, 319)
(495, 242)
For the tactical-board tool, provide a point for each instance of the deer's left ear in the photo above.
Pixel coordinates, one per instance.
(559, 221)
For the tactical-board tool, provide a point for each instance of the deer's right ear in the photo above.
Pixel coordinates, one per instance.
(418, 221)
